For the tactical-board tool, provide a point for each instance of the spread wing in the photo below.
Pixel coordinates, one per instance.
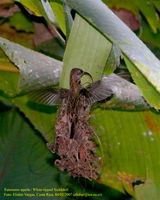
(98, 91)
(48, 96)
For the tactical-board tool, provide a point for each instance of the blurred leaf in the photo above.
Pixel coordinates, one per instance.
(23, 156)
(128, 18)
(6, 2)
(148, 36)
(147, 8)
(41, 34)
(36, 69)
(34, 6)
(42, 117)
(150, 93)
(122, 4)
(9, 76)
(68, 19)
(10, 33)
(45, 42)
(130, 149)
(130, 45)
(21, 23)
(89, 51)
(25, 162)
(44, 10)
(37, 8)
(156, 4)
(113, 60)
(147, 191)
(9, 81)
(52, 48)
(59, 13)
(7, 11)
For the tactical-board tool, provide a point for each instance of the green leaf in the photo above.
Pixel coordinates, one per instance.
(21, 23)
(146, 191)
(23, 156)
(8, 82)
(42, 117)
(52, 48)
(150, 93)
(148, 36)
(34, 6)
(60, 16)
(25, 162)
(52, 12)
(113, 60)
(156, 4)
(130, 150)
(86, 49)
(68, 19)
(150, 13)
(9, 76)
(131, 46)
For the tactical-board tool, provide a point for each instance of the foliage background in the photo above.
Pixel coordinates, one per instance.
(22, 145)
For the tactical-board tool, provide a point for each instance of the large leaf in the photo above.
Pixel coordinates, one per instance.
(86, 49)
(100, 16)
(130, 150)
(27, 165)
(23, 156)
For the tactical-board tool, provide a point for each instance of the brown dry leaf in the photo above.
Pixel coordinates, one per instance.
(8, 11)
(20, 37)
(6, 2)
(128, 18)
(42, 34)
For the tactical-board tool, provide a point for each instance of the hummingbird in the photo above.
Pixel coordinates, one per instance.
(74, 142)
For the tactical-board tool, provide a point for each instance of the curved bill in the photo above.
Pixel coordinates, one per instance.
(87, 74)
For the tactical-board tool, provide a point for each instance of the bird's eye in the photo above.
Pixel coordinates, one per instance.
(80, 72)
